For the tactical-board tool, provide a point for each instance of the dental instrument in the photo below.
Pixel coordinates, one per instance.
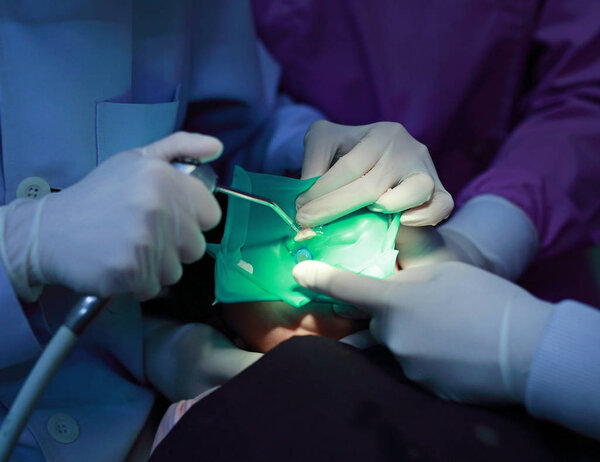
(208, 176)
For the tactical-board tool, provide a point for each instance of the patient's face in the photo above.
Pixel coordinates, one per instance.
(260, 326)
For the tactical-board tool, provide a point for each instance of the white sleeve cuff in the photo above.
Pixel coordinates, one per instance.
(17, 340)
(501, 234)
(18, 236)
(564, 381)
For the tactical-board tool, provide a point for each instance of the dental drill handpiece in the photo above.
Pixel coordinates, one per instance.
(208, 176)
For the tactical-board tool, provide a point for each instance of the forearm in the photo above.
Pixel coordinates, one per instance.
(280, 148)
(563, 385)
(278, 145)
(261, 129)
(548, 163)
(550, 171)
(494, 234)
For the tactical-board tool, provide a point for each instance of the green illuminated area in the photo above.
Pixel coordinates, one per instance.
(258, 252)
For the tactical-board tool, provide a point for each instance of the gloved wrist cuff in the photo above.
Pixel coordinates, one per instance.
(19, 227)
(494, 234)
(563, 383)
(524, 322)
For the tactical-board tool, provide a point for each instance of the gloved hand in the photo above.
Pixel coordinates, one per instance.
(488, 232)
(460, 331)
(184, 360)
(125, 228)
(380, 165)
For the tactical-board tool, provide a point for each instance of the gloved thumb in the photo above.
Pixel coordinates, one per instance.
(362, 291)
(421, 246)
(182, 144)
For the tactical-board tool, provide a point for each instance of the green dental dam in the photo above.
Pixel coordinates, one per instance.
(256, 256)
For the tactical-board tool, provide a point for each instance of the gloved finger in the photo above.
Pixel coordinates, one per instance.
(379, 330)
(171, 269)
(335, 204)
(201, 203)
(357, 162)
(420, 246)
(368, 293)
(192, 245)
(430, 213)
(320, 147)
(183, 144)
(148, 290)
(362, 191)
(411, 192)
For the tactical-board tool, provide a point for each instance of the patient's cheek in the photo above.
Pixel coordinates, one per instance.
(264, 325)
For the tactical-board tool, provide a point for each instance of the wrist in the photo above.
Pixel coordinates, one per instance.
(492, 233)
(19, 223)
(563, 382)
(526, 320)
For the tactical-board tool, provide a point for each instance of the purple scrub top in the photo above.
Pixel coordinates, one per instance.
(505, 94)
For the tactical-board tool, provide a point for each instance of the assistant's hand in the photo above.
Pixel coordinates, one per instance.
(380, 165)
(184, 360)
(488, 231)
(460, 331)
(124, 228)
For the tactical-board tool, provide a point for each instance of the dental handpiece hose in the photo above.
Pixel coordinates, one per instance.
(81, 316)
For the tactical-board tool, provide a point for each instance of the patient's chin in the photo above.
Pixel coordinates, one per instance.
(277, 336)
(261, 326)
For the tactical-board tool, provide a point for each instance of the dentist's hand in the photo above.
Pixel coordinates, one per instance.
(125, 228)
(460, 331)
(380, 165)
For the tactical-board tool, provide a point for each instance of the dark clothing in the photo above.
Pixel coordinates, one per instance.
(313, 399)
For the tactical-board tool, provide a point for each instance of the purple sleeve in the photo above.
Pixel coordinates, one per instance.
(549, 166)
(17, 340)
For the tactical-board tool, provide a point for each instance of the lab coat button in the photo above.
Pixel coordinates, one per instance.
(33, 187)
(63, 428)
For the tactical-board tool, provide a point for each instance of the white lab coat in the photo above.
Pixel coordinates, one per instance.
(80, 81)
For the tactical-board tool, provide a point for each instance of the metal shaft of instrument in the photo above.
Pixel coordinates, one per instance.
(259, 200)
(206, 174)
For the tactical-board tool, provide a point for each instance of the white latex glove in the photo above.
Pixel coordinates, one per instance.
(460, 331)
(184, 360)
(125, 228)
(380, 165)
(488, 232)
